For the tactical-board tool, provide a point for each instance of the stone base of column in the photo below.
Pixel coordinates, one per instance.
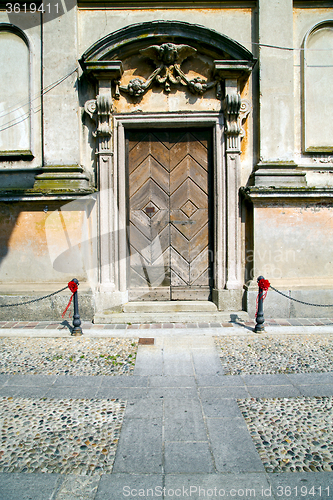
(227, 300)
(279, 174)
(109, 299)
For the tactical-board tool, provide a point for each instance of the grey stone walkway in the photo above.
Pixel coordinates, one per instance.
(183, 435)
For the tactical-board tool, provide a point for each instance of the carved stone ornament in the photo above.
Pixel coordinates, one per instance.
(243, 114)
(168, 59)
(235, 111)
(100, 110)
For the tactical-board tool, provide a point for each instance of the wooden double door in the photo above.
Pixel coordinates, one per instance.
(170, 206)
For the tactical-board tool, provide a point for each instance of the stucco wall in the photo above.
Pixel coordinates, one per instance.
(46, 243)
(294, 244)
(321, 165)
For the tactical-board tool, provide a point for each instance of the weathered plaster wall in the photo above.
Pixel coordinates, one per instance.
(276, 82)
(293, 250)
(294, 243)
(237, 23)
(46, 243)
(304, 20)
(31, 27)
(61, 105)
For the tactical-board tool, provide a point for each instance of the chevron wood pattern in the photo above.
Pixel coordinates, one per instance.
(169, 207)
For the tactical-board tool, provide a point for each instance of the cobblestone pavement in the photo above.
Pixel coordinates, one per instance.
(291, 434)
(68, 356)
(76, 436)
(253, 354)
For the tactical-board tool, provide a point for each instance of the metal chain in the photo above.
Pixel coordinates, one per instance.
(300, 301)
(33, 300)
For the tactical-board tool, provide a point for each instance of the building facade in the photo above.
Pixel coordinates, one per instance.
(166, 154)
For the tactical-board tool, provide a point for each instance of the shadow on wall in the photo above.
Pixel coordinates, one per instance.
(8, 220)
(27, 251)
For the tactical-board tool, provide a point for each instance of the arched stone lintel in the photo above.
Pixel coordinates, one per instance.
(130, 40)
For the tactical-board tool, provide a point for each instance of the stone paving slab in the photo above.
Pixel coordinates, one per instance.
(232, 446)
(295, 486)
(220, 408)
(183, 420)
(121, 486)
(140, 408)
(311, 378)
(15, 486)
(219, 380)
(223, 392)
(139, 448)
(321, 390)
(78, 488)
(266, 379)
(172, 381)
(273, 391)
(188, 457)
(149, 361)
(217, 486)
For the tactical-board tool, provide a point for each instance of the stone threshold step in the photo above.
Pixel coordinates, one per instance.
(110, 317)
(170, 306)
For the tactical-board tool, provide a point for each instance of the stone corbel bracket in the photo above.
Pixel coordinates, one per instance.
(235, 110)
(100, 111)
(105, 74)
(168, 59)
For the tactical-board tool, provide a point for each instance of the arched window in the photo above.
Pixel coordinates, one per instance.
(317, 92)
(15, 115)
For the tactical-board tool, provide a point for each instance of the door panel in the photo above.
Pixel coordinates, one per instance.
(169, 214)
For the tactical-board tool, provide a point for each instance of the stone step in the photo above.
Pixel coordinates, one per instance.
(111, 317)
(170, 306)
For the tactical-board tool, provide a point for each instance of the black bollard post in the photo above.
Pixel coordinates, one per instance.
(260, 320)
(77, 330)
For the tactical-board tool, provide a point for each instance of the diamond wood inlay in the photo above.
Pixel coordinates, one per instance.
(169, 205)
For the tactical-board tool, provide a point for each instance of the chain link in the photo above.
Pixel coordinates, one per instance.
(33, 300)
(300, 301)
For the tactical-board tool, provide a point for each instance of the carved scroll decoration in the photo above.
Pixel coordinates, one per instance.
(100, 111)
(168, 59)
(235, 112)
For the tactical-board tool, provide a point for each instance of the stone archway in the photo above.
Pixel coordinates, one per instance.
(168, 75)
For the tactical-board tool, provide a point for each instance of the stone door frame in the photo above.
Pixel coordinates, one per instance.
(113, 206)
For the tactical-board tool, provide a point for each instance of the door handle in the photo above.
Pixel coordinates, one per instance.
(183, 222)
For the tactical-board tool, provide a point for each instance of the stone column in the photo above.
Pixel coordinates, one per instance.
(62, 171)
(229, 73)
(101, 110)
(231, 107)
(276, 165)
